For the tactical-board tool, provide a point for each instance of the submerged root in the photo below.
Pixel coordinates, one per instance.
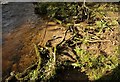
(36, 72)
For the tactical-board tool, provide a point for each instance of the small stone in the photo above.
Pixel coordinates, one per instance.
(12, 73)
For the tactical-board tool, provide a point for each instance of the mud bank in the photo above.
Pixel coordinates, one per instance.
(22, 28)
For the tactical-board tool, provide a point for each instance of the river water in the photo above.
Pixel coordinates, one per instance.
(16, 13)
(17, 19)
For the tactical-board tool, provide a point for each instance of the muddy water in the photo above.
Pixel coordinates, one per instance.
(18, 19)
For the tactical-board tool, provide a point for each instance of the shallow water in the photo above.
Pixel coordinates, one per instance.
(17, 19)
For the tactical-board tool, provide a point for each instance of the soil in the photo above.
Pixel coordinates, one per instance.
(18, 50)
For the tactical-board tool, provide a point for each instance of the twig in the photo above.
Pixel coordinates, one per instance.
(63, 38)
(44, 33)
(97, 41)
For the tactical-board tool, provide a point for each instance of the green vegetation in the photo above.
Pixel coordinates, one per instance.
(92, 46)
(95, 66)
(64, 12)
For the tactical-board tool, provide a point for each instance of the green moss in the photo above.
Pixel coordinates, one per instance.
(95, 66)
